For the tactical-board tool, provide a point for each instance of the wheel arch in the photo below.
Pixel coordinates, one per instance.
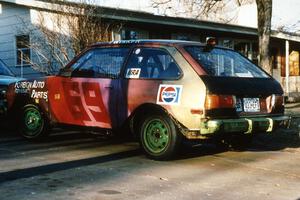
(140, 111)
(22, 100)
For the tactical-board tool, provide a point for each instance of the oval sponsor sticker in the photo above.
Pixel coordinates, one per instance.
(169, 94)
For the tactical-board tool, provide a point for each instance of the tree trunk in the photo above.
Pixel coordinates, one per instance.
(264, 16)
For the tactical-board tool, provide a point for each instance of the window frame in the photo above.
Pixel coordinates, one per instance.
(22, 64)
(143, 78)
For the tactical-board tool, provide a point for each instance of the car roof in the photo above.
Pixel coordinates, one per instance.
(133, 42)
(152, 41)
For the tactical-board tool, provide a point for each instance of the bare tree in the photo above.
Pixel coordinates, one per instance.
(63, 31)
(264, 16)
(197, 9)
(209, 9)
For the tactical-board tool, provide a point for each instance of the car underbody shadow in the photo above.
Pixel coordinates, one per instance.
(280, 140)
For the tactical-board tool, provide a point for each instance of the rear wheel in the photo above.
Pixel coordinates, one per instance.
(33, 124)
(159, 136)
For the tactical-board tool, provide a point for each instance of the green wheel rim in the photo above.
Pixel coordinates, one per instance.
(33, 121)
(156, 135)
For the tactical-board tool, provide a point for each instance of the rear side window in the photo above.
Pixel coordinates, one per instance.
(152, 63)
(225, 62)
(101, 62)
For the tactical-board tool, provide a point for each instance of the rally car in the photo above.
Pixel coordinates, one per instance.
(163, 90)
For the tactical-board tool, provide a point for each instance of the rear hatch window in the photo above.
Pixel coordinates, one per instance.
(225, 63)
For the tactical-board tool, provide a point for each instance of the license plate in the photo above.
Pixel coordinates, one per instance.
(251, 104)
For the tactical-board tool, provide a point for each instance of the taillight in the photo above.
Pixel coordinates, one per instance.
(219, 101)
(279, 100)
(274, 101)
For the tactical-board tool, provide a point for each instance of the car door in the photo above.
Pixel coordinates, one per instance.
(146, 71)
(89, 95)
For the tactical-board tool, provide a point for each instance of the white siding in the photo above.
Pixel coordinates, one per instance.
(13, 18)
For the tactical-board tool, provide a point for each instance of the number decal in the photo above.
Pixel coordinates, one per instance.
(86, 103)
(133, 73)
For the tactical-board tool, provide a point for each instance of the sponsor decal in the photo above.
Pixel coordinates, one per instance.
(169, 94)
(133, 73)
(39, 94)
(126, 42)
(32, 87)
(29, 85)
(137, 51)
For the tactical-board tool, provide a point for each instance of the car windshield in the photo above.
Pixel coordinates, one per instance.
(225, 62)
(4, 69)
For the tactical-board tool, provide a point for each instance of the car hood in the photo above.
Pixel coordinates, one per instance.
(6, 80)
(242, 86)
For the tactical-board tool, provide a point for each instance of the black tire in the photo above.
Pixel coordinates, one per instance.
(33, 124)
(159, 136)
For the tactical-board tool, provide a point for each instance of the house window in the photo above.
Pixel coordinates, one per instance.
(227, 43)
(129, 35)
(23, 49)
(294, 63)
(294, 67)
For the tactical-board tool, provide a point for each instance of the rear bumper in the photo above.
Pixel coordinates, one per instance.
(245, 125)
(241, 125)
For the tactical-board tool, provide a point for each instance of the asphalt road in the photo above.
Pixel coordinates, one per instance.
(74, 165)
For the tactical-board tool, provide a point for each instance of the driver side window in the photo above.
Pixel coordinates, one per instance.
(100, 62)
(152, 63)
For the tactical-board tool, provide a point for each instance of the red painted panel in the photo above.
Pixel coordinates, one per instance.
(79, 101)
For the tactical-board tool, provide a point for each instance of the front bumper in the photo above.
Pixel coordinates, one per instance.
(242, 125)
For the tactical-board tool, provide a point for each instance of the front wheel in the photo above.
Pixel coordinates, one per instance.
(159, 137)
(33, 124)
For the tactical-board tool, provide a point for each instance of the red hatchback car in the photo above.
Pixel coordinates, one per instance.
(164, 90)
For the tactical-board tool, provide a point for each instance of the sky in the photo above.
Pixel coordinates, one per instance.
(286, 15)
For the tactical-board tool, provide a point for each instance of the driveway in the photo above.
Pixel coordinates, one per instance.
(75, 165)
